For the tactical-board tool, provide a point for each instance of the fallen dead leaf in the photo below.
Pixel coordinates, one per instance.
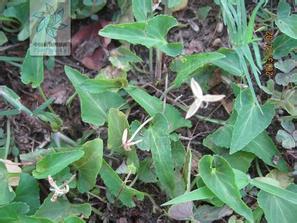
(181, 212)
(89, 48)
(13, 168)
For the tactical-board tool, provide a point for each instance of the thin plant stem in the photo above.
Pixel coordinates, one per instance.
(71, 98)
(133, 181)
(139, 128)
(7, 144)
(97, 212)
(158, 67)
(203, 118)
(41, 92)
(96, 196)
(60, 136)
(155, 206)
(258, 168)
(151, 54)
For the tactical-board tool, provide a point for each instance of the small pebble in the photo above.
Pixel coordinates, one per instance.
(194, 26)
(219, 27)
(217, 42)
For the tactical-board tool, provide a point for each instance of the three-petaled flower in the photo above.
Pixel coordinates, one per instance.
(127, 143)
(58, 190)
(200, 98)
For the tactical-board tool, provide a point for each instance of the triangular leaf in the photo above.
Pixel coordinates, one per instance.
(117, 187)
(153, 105)
(219, 177)
(151, 33)
(94, 107)
(54, 162)
(89, 165)
(250, 121)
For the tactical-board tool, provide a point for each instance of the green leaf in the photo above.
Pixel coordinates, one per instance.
(151, 33)
(159, 143)
(271, 186)
(153, 105)
(100, 85)
(241, 179)
(289, 101)
(16, 213)
(178, 154)
(219, 177)
(6, 195)
(32, 70)
(250, 121)
(94, 107)
(146, 172)
(286, 139)
(3, 38)
(202, 193)
(61, 209)
(117, 187)
(122, 57)
(173, 3)
(202, 12)
(11, 212)
(286, 22)
(89, 165)
(277, 209)
(73, 219)
(230, 62)
(53, 119)
(186, 65)
(240, 160)
(28, 192)
(117, 123)
(262, 146)
(11, 97)
(141, 9)
(219, 142)
(54, 162)
(94, 2)
(20, 11)
(282, 45)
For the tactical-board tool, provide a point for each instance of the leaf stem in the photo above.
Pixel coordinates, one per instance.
(7, 144)
(96, 196)
(258, 168)
(155, 206)
(41, 92)
(158, 67)
(139, 128)
(151, 54)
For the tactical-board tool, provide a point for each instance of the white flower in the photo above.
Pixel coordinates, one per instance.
(200, 98)
(58, 190)
(156, 5)
(127, 143)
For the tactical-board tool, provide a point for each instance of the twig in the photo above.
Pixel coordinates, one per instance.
(96, 196)
(158, 67)
(155, 206)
